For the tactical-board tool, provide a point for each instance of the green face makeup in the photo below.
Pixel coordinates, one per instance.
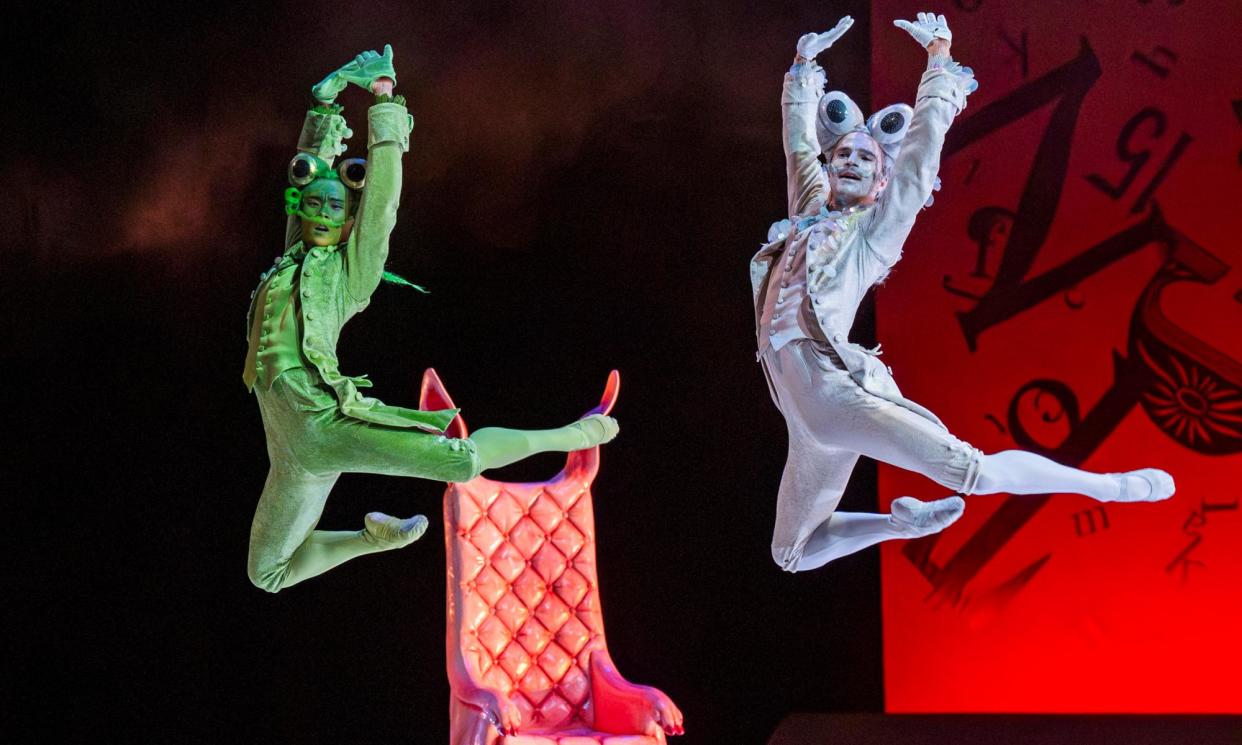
(323, 207)
(295, 205)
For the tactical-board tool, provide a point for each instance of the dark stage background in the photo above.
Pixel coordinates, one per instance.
(585, 186)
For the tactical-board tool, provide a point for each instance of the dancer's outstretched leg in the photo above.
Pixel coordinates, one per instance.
(826, 413)
(845, 533)
(898, 436)
(499, 446)
(284, 546)
(495, 446)
(325, 549)
(1020, 472)
(285, 549)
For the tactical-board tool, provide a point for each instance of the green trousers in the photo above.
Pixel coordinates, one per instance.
(310, 444)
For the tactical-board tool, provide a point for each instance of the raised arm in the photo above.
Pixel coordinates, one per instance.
(324, 130)
(323, 134)
(804, 85)
(388, 137)
(941, 96)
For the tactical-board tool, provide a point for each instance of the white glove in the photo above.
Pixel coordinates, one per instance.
(811, 45)
(928, 27)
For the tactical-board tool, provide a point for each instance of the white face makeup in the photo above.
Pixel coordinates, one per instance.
(854, 170)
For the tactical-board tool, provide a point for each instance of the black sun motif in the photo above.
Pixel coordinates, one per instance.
(1194, 406)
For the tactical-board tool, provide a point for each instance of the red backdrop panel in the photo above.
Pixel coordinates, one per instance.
(1075, 291)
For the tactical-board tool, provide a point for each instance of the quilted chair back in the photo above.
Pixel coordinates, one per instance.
(523, 600)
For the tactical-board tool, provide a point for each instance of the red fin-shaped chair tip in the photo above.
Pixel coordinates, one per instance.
(587, 461)
(433, 397)
(612, 388)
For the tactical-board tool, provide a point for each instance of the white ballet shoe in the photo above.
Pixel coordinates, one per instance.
(1130, 485)
(916, 518)
(393, 532)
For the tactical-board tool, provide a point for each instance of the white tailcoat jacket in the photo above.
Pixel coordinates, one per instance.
(847, 253)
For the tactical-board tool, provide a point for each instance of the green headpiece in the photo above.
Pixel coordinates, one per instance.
(306, 169)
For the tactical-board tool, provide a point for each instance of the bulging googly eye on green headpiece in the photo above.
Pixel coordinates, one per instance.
(306, 169)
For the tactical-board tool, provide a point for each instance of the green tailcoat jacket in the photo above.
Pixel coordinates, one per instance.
(335, 283)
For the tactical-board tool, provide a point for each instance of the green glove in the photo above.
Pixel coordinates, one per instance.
(369, 67)
(326, 90)
(364, 70)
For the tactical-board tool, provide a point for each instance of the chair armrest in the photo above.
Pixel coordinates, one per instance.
(494, 706)
(622, 707)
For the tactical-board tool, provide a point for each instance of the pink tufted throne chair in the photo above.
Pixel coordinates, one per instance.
(527, 659)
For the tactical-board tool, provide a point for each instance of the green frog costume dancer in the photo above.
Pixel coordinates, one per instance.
(318, 424)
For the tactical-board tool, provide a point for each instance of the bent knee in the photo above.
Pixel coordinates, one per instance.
(786, 558)
(468, 463)
(472, 469)
(270, 578)
(957, 466)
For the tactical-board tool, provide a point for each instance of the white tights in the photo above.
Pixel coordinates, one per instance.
(1009, 471)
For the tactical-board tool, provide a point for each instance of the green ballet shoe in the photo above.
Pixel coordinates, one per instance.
(392, 532)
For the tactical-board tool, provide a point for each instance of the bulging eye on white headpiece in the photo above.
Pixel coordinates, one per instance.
(888, 126)
(838, 116)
